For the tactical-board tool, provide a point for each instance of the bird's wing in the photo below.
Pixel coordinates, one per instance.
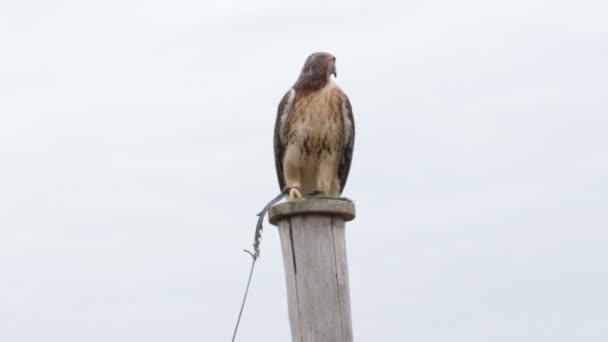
(280, 133)
(349, 142)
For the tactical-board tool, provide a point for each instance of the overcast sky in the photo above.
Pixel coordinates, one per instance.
(136, 149)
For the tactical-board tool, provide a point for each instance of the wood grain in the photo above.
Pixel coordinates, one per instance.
(316, 272)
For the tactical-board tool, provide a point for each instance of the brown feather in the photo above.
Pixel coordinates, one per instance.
(347, 151)
(279, 146)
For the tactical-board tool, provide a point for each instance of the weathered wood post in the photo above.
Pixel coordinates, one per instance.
(316, 270)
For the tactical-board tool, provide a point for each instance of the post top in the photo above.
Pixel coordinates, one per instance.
(324, 206)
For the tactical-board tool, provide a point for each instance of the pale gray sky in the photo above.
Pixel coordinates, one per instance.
(136, 149)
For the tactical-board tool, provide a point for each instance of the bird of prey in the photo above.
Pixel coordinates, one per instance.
(314, 132)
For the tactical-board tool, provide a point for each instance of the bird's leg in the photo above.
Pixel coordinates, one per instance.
(325, 176)
(292, 173)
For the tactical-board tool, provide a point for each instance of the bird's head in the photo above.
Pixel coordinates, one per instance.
(317, 70)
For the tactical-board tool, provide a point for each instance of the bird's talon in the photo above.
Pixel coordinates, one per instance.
(294, 193)
(313, 193)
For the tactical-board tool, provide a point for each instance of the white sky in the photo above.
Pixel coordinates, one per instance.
(136, 148)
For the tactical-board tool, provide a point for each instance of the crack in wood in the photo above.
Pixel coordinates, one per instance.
(293, 250)
(333, 240)
(295, 281)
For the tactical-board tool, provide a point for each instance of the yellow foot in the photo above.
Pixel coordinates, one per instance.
(294, 193)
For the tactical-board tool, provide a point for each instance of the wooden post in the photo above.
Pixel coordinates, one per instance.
(316, 270)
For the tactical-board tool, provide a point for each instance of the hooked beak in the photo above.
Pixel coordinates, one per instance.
(334, 71)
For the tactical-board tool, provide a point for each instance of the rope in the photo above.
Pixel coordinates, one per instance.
(257, 239)
(238, 321)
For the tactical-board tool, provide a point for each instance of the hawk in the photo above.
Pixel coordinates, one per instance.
(314, 132)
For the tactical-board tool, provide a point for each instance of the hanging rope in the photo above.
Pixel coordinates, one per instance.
(238, 321)
(257, 238)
